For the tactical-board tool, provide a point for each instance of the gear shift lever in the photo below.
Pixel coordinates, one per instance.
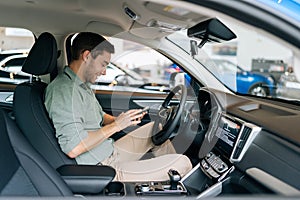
(174, 179)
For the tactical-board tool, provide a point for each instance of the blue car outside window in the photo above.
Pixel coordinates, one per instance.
(289, 8)
(176, 68)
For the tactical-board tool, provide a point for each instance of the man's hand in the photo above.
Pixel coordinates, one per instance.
(129, 118)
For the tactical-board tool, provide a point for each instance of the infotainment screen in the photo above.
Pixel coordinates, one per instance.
(227, 134)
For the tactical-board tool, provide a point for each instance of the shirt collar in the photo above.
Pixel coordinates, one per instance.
(73, 76)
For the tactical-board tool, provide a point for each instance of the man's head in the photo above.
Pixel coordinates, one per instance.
(93, 52)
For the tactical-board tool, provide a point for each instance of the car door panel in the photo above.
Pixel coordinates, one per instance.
(115, 102)
(280, 156)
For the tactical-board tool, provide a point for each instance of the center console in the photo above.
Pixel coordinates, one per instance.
(215, 167)
(159, 188)
(228, 143)
(171, 187)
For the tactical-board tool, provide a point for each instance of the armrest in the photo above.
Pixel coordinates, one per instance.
(88, 179)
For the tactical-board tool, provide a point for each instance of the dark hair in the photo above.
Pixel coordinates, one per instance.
(92, 42)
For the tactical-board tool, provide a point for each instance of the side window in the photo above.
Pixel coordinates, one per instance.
(14, 47)
(136, 67)
(255, 64)
(144, 68)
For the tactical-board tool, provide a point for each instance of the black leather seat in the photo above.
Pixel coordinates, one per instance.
(23, 171)
(32, 118)
(29, 110)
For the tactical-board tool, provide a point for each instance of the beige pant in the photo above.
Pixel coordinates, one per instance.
(132, 147)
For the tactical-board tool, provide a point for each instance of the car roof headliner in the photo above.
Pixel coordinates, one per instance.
(107, 16)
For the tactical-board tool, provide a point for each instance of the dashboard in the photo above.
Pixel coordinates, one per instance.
(245, 150)
(241, 145)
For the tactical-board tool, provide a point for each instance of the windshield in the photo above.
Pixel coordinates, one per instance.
(252, 64)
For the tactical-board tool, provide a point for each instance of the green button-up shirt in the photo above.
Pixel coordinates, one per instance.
(74, 110)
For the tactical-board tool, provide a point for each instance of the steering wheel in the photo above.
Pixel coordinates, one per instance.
(168, 116)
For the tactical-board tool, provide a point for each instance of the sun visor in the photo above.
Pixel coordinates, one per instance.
(104, 28)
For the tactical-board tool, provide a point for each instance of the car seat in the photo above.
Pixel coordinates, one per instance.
(23, 171)
(28, 105)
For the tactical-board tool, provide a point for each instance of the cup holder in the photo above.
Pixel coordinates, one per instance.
(115, 188)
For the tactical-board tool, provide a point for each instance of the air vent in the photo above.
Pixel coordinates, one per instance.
(246, 137)
(241, 142)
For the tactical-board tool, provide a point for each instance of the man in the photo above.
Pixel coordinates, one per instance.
(83, 129)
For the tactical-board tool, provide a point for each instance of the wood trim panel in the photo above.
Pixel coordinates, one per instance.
(7, 87)
(124, 93)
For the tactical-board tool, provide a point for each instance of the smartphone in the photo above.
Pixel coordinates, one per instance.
(145, 109)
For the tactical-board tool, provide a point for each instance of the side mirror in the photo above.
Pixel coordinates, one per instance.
(122, 79)
(177, 78)
(211, 30)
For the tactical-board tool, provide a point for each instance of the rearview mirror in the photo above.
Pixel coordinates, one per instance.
(212, 30)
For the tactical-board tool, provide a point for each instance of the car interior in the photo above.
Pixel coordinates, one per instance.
(240, 145)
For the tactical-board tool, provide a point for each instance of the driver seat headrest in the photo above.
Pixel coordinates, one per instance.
(42, 57)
